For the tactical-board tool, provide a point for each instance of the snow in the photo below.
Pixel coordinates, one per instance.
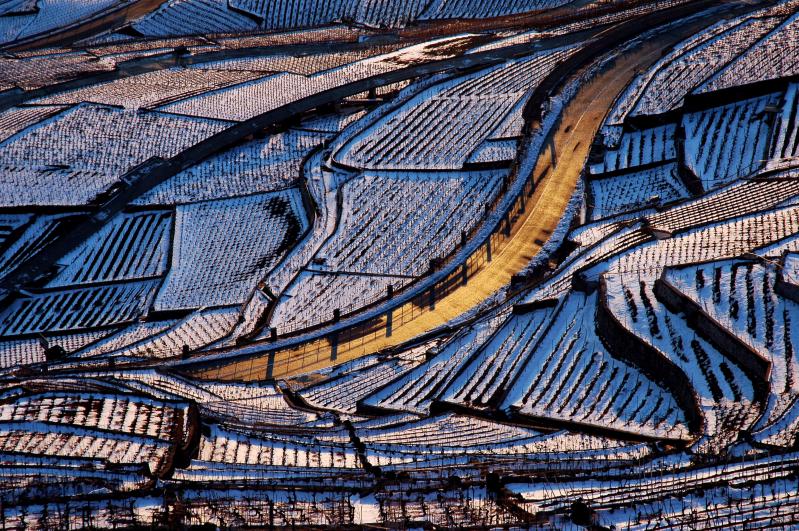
(438, 433)
(790, 268)
(716, 241)
(77, 309)
(15, 119)
(20, 352)
(40, 438)
(775, 56)
(196, 330)
(513, 124)
(387, 13)
(256, 404)
(442, 125)
(675, 76)
(257, 166)
(781, 430)
(226, 244)
(492, 151)
(724, 392)
(639, 148)
(446, 9)
(387, 224)
(29, 73)
(178, 17)
(496, 364)
(303, 64)
(737, 199)
(703, 496)
(151, 89)
(246, 100)
(415, 390)
(776, 249)
(636, 189)
(740, 296)
(251, 401)
(784, 150)
(728, 142)
(57, 14)
(322, 187)
(720, 225)
(331, 123)
(342, 393)
(131, 246)
(15, 7)
(39, 160)
(10, 224)
(272, 449)
(223, 248)
(571, 376)
(35, 235)
(296, 13)
(125, 337)
(547, 452)
(112, 412)
(250, 319)
(181, 17)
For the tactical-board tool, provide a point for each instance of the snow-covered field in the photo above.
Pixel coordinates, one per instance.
(182, 17)
(392, 224)
(75, 155)
(441, 126)
(222, 248)
(165, 254)
(25, 19)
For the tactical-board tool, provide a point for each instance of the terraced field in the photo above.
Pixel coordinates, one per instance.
(432, 264)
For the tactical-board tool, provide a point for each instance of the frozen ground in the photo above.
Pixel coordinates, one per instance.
(446, 263)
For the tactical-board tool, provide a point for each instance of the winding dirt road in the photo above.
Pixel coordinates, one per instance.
(572, 139)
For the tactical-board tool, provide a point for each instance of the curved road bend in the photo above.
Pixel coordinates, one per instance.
(572, 138)
(155, 171)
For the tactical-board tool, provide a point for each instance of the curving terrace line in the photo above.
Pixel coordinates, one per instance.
(101, 21)
(611, 39)
(155, 170)
(117, 16)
